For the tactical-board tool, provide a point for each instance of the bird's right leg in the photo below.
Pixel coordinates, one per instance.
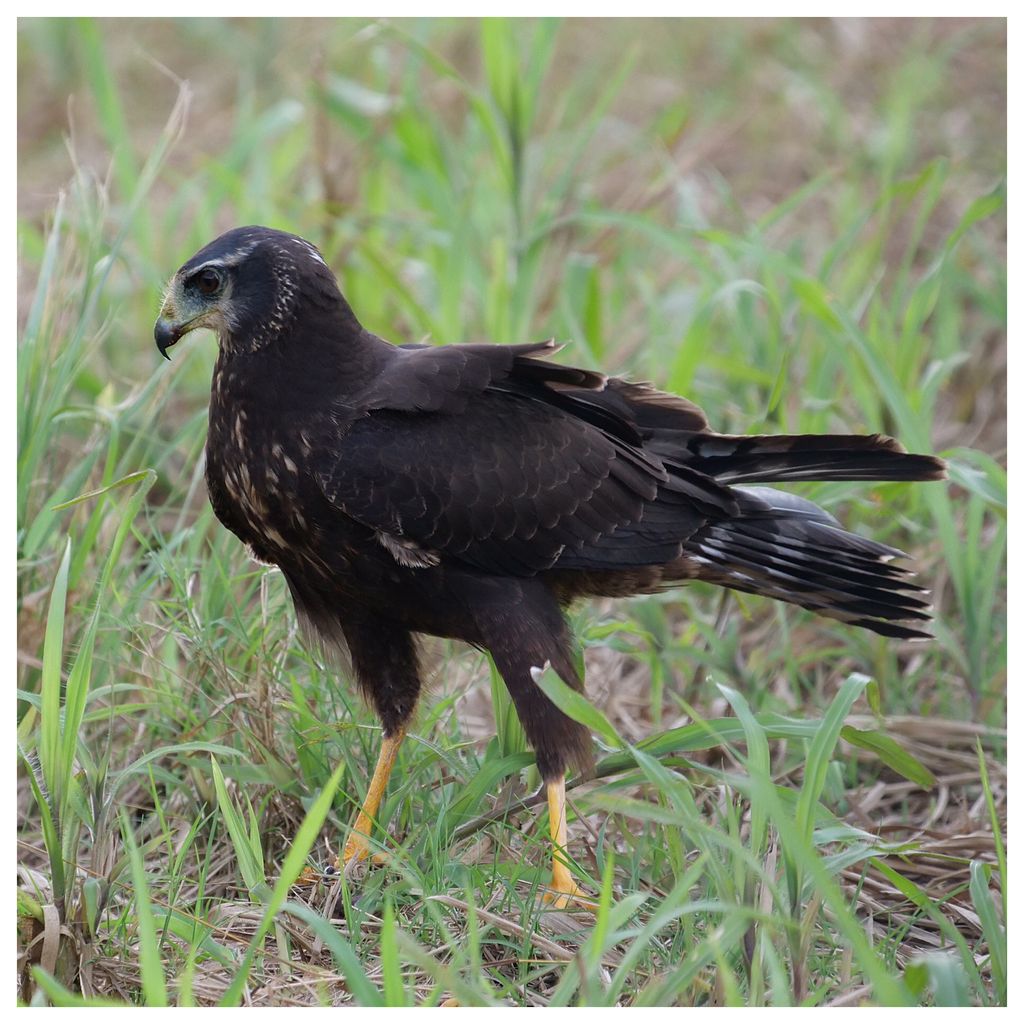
(558, 742)
(527, 634)
(387, 670)
(564, 890)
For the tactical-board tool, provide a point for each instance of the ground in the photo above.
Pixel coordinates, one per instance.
(801, 225)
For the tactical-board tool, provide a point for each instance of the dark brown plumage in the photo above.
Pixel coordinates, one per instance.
(472, 491)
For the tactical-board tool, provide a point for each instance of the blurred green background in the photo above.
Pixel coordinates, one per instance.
(800, 224)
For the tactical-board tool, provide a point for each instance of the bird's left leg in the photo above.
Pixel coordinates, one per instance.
(358, 845)
(386, 667)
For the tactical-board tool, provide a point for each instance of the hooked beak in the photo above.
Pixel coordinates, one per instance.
(166, 333)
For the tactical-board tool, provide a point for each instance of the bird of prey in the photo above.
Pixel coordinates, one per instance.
(474, 491)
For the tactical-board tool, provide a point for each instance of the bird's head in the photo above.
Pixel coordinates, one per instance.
(247, 286)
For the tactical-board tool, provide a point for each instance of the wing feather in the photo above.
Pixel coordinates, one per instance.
(490, 455)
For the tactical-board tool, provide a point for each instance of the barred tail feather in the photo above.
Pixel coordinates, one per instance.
(787, 548)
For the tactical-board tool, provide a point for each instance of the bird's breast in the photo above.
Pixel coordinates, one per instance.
(255, 477)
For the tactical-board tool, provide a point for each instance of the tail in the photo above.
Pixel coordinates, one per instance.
(794, 457)
(755, 539)
(788, 548)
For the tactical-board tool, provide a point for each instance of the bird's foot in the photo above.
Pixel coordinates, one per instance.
(569, 901)
(564, 893)
(356, 849)
(345, 863)
(356, 853)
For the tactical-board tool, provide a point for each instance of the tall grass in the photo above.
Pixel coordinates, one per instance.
(182, 754)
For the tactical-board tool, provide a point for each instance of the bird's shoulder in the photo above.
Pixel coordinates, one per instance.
(445, 378)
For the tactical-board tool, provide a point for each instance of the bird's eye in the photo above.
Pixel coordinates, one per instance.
(207, 281)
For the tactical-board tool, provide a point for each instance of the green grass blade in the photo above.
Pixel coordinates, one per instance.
(391, 966)
(758, 760)
(992, 927)
(922, 901)
(820, 753)
(64, 997)
(290, 871)
(249, 863)
(995, 824)
(889, 751)
(572, 703)
(51, 836)
(154, 985)
(53, 654)
(345, 957)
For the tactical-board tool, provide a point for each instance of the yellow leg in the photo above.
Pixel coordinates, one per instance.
(564, 890)
(358, 846)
